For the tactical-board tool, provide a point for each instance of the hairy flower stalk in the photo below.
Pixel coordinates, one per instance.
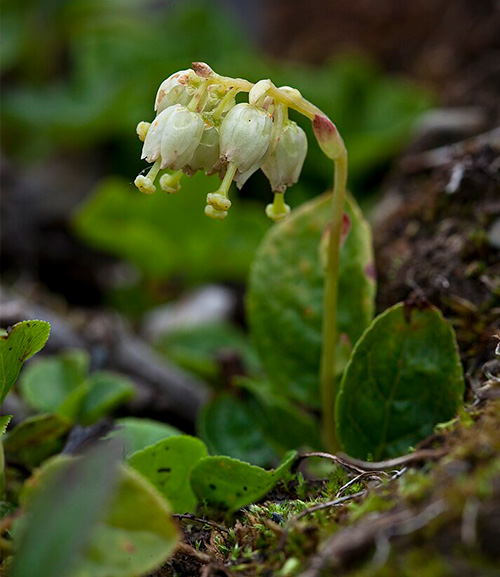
(199, 126)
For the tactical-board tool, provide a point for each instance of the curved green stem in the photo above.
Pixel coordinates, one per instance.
(330, 329)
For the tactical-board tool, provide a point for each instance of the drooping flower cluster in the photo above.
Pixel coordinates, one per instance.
(199, 126)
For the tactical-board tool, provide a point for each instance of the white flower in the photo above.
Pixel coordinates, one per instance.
(284, 165)
(173, 137)
(207, 152)
(245, 134)
(173, 90)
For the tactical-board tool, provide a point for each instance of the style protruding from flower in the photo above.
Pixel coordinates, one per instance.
(200, 126)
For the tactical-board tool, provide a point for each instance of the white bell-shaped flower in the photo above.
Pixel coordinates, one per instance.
(245, 135)
(173, 137)
(207, 153)
(284, 165)
(173, 90)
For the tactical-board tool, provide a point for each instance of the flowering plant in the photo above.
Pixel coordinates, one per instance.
(199, 126)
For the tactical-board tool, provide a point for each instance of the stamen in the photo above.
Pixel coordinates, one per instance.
(171, 182)
(227, 100)
(195, 100)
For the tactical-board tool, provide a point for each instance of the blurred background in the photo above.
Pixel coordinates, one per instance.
(115, 269)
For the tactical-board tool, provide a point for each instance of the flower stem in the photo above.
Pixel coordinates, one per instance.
(330, 329)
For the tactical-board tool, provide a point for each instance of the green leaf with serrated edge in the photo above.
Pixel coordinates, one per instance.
(285, 299)
(20, 343)
(403, 378)
(36, 438)
(138, 434)
(167, 465)
(57, 383)
(284, 425)
(229, 427)
(230, 484)
(106, 391)
(4, 423)
(63, 506)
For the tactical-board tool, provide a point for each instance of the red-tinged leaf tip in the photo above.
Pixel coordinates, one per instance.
(328, 137)
(324, 129)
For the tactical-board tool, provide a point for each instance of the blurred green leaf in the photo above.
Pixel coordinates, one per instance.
(231, 484)
(285, 298)
(36, 438)
(285, 425)
(230, 427)
(167, 235)
(106, 391)
(168, 465)
(403, 378)
(138, 434)
(47, 383)
(17, 346)
(61, 385)
(62, 509)
(196, 348)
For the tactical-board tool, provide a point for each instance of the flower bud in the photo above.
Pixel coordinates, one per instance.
(328, 137)
(173, 90)
(207, 152)
(284, 165)
(245, 134)
(173, 137)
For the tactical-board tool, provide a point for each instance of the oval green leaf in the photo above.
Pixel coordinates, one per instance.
(17, 345)
(57, 383)
(229, 427)
(138, 434)
(230, 484)
(285, 299)
(106, 391)
(403, 378)
(167, 465)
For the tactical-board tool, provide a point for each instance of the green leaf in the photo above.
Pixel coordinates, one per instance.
(196, 348)
(403, 378)
(36, 438)
(166, 234)
(4, 423)
(17, 346)
(138, 434)
(285, 300)
(230, 484)
(57, 383)
(285, 425)
(106, 391)
(229, 426)
(77, 526)
(61, 511)
(168, 465)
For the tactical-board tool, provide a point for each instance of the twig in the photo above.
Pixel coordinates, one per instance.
(191, 517)
(444, 154)
(360, 466)
(185, 549)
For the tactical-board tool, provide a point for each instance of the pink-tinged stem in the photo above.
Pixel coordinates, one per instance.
(332, 145)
